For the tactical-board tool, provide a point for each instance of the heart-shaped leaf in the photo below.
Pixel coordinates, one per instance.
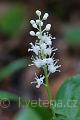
(68, 99)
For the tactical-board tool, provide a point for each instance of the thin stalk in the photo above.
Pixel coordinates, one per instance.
(47, 84)
(49, 93)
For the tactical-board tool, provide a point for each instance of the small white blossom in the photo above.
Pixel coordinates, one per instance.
(43, 62)
(49, 51)
(53, 68)
(39, 81)
(37, 62)
(45, 16)
(38, 12)
(43, 46)
(35, 48)
(32, 33)
(32, 22)
(47, 39)
(48, 27)
(49, 61)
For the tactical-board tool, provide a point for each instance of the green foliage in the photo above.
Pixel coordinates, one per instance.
(72, 36)
(10, 96)
(12, 19)
(27, 114)
(30, 111)
(44, 112)
(36, 113)
(13, 67)
(69, 95)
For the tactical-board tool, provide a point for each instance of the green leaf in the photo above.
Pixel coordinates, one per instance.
(42, 111)
(68, 99)
(37, 112)
(13, 67)
(45, 113)
(27, 114)
(72, 35)
(11, 21)
(33, 113)
(9, 96)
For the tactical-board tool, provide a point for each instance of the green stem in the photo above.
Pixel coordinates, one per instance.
(49, 92)
(47, 85)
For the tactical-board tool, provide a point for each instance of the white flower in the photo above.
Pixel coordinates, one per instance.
(53, 68)
(37, 33)
(37, 62)
(48, 27)
(43, 62)
(34, 25)
(32, 33)
(32, 22)
(35, 48)
(38, 12)
(47, 39)
(49, 61)
(43, 46)
(49, 51)
(45, 16)
(39, 81)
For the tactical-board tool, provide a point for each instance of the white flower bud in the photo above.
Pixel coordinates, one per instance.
(45, 16)
(32, 33)
(38, 12)
(34, 25)
(32, 22)
(37, 33)
(37, 22)
(48, 27)
(41, 23)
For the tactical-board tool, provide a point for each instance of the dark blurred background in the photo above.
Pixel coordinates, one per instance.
(15, 75)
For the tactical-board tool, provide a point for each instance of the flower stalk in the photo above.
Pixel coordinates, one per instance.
(49, 93)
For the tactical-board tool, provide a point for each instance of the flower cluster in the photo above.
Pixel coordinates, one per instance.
(39, 81)
(43, 48)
